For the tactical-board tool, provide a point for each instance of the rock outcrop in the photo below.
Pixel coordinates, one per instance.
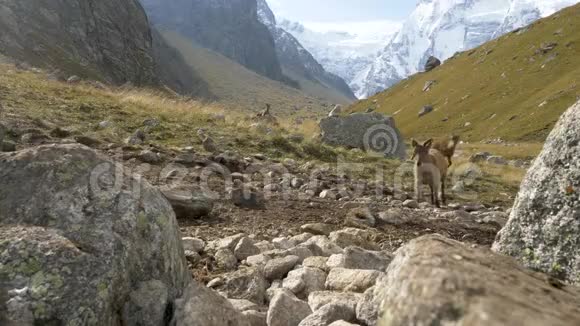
(456, 284)
(85, 242)
(372, 132)
(227, 27)
(104, 40)
(543, 230)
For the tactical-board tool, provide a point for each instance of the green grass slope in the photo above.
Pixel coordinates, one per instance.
(239, 88)
(506, 88)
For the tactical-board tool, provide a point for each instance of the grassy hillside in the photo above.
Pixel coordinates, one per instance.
(239, 88)
(512, 87)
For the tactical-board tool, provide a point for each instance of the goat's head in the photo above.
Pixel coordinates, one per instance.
(421, 152)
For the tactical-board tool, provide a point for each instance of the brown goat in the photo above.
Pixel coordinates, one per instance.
(447, 147)
(430, 169)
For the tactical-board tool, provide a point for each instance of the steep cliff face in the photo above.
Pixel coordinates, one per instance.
(296, 60)
(229, 27)
(105, 39)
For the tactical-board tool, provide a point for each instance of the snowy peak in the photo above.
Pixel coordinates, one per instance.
(444, 27)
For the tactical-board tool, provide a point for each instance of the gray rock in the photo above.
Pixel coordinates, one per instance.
(358, 258)
(497, 160)
(367, 309)
(256, 318)
(486, 289)
(67, 226)
(329, 194)
(352, 280)
(137, 138)
(543, 230)
(201, 306)
(148, 156)
(316, 262)
(342, 323)
(242, 305)
(322, 246)
(318, 228)
(7, 146)
(425, 110)
(328, 314)
(353, 237)
(287, 310)
(229, 243)
(245, 248)
(226, 259)
(479, 157)
(304, 281)
(188, 204)
(360, 217)
(276, 269)
(432, 63)
(428, 84)
(321, 298)
(247, 283)
(247, 198)
(302, 252)
(410, 203)
(368, 131)
(193, 244)
(393, 216)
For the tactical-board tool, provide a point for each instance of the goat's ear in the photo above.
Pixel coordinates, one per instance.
(414, 143)
(428, 143)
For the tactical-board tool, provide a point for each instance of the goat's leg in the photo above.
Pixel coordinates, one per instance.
(449, 160)
(436, 185)
(443, 199)
(418, 194)
(432, 197)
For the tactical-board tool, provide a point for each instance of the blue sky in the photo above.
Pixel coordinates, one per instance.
(334, 11)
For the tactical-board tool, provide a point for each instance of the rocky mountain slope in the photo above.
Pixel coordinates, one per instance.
(514, 87)
(297, 62)
(104, 40)
(442, 27)
(230, 28)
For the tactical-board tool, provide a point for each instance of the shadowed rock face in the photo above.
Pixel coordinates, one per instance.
(82, 241)
(105, 40)
(437, 281)
(543, 231)
(228, 27)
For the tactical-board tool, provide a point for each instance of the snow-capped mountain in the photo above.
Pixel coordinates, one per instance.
(297, 61)
(343, 49)
(444, 27)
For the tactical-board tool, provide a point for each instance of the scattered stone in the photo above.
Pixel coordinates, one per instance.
(202, 306)
(59, 133)
(329, 194)
(321, 298)
(367, 309)
(353, 237)
(410, 203)
(342, 323)
(335, 112)
(247, 198)
(487, 289)
(73, 79)
(358, 258)
(287, 310)
(276, 269)
(226, 259)
(425, 110)
(322, 246)
(243, 305)
(428, 85)
(304, 281)
(7, 146)
(148, 156)
(329, 313)
(360, 217)
(318, 228)
(245, 248)
(246, 283)
(316, 262)
(393, 216)
(255, 318)
(479, 157)
(542, 231)
(87, 141)
(137, 138)
(188, 205)
(35, 138)
(229, 243)
(352, 280)
(432, 63)
(193, 244)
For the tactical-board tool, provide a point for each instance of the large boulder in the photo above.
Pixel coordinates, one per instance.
(432, 63)
(453, 283)
(543, 230)
(82, 241)
(368, 131)
(107, 40)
